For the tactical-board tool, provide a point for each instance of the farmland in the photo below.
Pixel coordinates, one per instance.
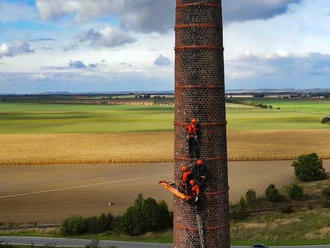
(67, 133)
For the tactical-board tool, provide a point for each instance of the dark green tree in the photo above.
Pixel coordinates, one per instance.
(309, 168)
(73, 225)
(272, 194)
(295, 192)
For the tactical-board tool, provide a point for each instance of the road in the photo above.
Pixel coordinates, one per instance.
(66, 242)
(48, 194)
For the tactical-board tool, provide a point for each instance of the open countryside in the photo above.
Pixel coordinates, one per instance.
(34, 134)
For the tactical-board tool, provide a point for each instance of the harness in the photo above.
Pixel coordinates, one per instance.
(192, 130)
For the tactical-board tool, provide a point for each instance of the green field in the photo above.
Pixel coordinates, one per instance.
(60, 118)
(25, 118)
(321, 107)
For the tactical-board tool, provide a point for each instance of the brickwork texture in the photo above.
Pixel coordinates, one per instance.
(200, 94)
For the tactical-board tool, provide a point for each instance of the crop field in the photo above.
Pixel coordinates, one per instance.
(307, 106)
(66, 134)
(87, 190)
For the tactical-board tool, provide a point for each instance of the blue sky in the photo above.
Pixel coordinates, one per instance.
(118, 45)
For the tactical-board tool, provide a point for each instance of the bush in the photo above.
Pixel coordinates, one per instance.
(326, 120)
(309, 168)
(76, 225)
(272, 194)
(92, 225)
(73, 225)
(5, 245)
(239, 211)
(251, 196)
(295, 192)
(326, 192)
(145, 216)
(105, 223)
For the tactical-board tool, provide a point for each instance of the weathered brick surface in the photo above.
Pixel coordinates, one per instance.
(199, 81)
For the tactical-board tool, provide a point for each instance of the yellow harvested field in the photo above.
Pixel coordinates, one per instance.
(42, 149)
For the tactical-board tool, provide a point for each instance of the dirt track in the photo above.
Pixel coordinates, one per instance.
(51, 193)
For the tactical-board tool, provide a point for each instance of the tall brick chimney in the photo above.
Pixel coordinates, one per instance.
(200, 94)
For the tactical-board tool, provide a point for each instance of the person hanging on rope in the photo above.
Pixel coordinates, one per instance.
(195, 191)
(200, 172)
(194, 133)
(186, 177)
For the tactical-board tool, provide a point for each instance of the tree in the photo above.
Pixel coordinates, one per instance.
(251, 196)
(74, 225)
(309, 168)
(295, 192)
(145, 216)
(272, 194)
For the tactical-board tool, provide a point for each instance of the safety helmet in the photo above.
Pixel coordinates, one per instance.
(184, 168)
(193, 120)
(200, 162)
(192, 182)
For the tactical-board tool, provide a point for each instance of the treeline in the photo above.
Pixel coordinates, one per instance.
(146, 215)
(250, 103)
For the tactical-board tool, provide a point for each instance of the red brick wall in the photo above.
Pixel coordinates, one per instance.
(199, 93)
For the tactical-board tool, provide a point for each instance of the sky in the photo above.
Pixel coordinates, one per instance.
(127, 45)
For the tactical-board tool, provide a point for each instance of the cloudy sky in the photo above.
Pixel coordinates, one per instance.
(118, 45)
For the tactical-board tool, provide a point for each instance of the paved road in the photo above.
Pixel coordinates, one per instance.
(66, 242)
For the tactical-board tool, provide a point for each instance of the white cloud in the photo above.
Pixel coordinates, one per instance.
(108, 37)
(162, 61)
(154, 15)
(243, 10)
(39, 76)
(278, 70)
(15, 48)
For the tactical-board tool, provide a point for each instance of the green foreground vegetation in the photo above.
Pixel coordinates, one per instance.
(26, 118)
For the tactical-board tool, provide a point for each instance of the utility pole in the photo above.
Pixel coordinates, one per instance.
(200, 94)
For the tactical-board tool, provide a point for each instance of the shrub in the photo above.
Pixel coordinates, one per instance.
(164, 217)
(146, 215)
(326, 120)
(309, 168)
(92, 225)
(105, 223)
(239, 211)
(73, 225)
(272, 194)
(295, 192)
(5, 245)
(251, 196)
(326, 192)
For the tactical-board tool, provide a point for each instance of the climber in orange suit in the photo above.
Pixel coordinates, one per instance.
(195, 191)
(194, 133)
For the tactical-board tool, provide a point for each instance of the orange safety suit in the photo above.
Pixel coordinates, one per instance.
(186, 176)
(192, 130)
(196, 190)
